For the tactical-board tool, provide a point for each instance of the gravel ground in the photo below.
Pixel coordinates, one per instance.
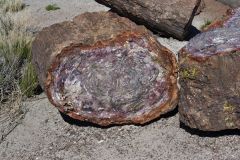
(43, 133)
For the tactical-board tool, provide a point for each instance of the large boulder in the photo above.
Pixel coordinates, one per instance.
(105, 69)
(210, 80)
(169, 17)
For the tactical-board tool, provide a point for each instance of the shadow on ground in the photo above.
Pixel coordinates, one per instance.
(192, 131)
(79, 123)
(210, 133)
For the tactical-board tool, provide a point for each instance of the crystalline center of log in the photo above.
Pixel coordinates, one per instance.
(110, 82)
(213, 42)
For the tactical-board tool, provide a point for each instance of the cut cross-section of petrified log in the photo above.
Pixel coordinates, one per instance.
(169, 17)
(210, 80)
(105, 69)
(229, 20)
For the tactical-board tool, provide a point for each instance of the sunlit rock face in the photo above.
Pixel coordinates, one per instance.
(234, 19)
(213, 42)
(110, 82)
(210, 80)
(105, 69)
(230, 20)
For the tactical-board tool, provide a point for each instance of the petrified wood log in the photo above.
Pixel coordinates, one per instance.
(169, 17)
(232, 3)
(231, 19)
(201, 7)
(210, 80)
(105, 69)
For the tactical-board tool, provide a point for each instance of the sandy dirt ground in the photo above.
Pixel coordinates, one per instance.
(43, 134)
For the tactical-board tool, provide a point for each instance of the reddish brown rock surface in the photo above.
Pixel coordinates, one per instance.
(231, 19)
(105, 69)
(170, 17)
(210, 80)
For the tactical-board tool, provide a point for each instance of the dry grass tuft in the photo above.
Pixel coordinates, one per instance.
(16, 72)
(17, 76)
(11, 5)
(29, 81)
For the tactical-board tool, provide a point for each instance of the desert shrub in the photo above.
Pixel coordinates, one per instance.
(52, 7)
(206, 23)
(11, 5)
(28, 82)
(17, 74)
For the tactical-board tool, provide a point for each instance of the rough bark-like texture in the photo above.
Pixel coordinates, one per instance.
(231, 19)
(169, 17)
(105, 69)
(232, 3)
(201, 7)
(210, 80)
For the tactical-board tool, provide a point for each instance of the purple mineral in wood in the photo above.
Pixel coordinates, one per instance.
(105, 69)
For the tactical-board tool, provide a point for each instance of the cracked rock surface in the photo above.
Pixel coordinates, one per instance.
(210, 80)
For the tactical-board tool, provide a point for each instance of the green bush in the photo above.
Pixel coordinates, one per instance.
(207, 23)
(28, 82)
(52, 7)
(16, 70)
